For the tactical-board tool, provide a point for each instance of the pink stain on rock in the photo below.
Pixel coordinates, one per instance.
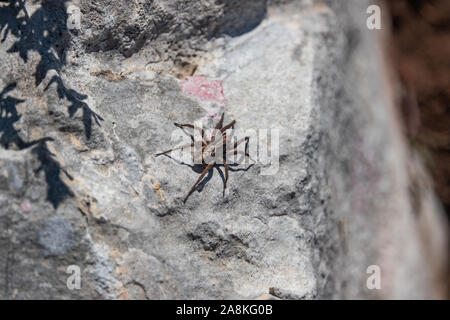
(25, 206)
(203, 88)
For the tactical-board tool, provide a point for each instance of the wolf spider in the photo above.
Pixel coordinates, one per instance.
(216, 145)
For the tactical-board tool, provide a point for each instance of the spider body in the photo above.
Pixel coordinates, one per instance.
(211, 151)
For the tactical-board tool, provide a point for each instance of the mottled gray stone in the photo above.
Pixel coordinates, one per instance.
(56, 236)
(108, 94)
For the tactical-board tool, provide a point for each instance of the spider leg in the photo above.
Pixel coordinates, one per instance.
(199, 179)
(222, 130)
(218, 131)
(177, 148)
(220, 123)
(224, 140)
(222, 143)
(226, 176)
(181, 125)
(228, 126)
(235, 152)
(246, 139)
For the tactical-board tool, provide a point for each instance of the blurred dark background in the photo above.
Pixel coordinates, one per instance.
(420, 46)
(421, 50)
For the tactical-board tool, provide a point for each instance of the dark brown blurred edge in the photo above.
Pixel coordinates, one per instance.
(419, 48)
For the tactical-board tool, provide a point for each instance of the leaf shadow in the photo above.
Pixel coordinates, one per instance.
(45, 32)
(57, 190)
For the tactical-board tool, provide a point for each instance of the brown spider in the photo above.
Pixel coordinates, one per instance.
(211, 149)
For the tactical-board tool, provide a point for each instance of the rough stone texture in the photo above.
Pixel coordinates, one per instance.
(83, 112)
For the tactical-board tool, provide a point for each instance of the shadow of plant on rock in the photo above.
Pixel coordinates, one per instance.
(8, 116)
(76, 100)
(45, 32)
(57, 190)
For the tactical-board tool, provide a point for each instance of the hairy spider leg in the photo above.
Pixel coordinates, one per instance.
(235, 152)
(225, 164)
(228, 126)
(199, 179)
(223, 129)
(177, 148)
(213, 141)
(236, 144)
(220, 123)
(181, 125)
(246, 139)
(218, 126)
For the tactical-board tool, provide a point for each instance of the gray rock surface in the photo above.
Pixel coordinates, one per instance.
(83, 113)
